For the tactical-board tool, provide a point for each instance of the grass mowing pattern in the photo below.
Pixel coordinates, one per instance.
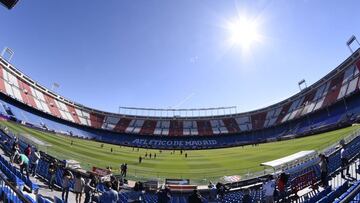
(200, 165)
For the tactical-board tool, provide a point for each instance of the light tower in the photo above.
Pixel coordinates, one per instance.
(9, 4)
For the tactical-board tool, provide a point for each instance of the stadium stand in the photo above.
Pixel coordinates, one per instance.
(331, 102)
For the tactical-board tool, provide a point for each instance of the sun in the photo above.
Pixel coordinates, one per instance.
(243, 32)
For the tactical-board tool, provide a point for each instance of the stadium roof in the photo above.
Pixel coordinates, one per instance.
(290, 160)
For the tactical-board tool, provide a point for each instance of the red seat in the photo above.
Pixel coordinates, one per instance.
(96, 120)
(204, 127)
(176, 128)
(334, 89)
(231, 125)
(148, 127)
(122, 125)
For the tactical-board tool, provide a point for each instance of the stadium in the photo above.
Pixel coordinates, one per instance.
(180, 155)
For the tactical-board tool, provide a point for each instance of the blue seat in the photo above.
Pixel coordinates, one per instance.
(57, 200)
(30, 198)
(41, 199)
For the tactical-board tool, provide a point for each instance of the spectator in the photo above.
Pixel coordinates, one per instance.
(195, 197)
(125, 170)
(139, 186)
(27, 151)
(109, 196)
(52, 173)
(344, 159)
(23, 161)
(16, 140)
(246, 197)
(281, 185)
(164, 195)
(212, 191)
(35, 157)
(269, 189)
(5, 142)
(79, 185)
(122, 169)
(114, 183)
(324, 170)
(15, 151)
(221, 189)
(89, 189)
(67, 177)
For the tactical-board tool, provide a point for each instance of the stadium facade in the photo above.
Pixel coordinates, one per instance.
(331, 102)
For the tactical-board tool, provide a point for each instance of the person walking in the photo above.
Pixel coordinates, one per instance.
(344, 159)
(35, 157)
(324, 170)
(15, 151)
(281, 185)
(79, 184)
(27, 151)
(52, 174)
(67, 177)
(89, 189)
(122, 169)
(125, 170)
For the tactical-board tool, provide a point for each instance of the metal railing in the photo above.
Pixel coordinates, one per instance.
(352, 195)
(10, 192)
(177, 112)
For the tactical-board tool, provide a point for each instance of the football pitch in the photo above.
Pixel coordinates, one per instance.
(200, 165)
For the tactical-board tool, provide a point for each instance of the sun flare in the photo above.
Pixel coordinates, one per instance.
(243, 32)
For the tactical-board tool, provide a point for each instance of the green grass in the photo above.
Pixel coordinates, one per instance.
(200, 165)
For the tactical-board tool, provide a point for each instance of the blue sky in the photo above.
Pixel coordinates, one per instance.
(160, 54)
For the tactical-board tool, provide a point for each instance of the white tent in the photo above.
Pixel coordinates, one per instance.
(291, 160)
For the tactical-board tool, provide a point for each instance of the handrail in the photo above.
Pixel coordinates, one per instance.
(352, 194)
(332, 148)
